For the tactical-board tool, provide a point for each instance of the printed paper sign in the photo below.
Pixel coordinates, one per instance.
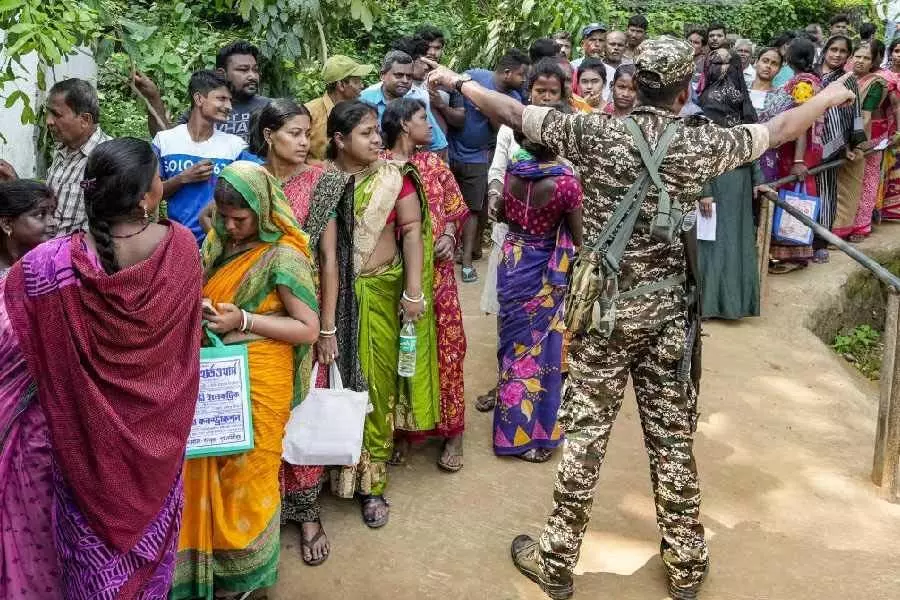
(223, 423)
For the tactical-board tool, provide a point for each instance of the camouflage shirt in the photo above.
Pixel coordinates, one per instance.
(605, 154)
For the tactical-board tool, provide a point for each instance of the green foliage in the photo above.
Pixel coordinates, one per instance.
(507, 23)
(863, 347)
(51, 29)
(165, 42)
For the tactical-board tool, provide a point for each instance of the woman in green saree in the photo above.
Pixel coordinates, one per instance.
(385, 264)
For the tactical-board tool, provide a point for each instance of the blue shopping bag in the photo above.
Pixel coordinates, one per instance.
(786, 229)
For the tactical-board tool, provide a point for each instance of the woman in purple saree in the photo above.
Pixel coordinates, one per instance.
(541, 202)
(99, 339)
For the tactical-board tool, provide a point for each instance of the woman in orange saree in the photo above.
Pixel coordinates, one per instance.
(259, 283)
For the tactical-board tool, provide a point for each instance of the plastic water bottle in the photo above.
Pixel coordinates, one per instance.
(406, 366)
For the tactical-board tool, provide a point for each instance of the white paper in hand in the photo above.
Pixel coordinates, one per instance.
(706, 226)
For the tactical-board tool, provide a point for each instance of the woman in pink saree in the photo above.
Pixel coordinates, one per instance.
(28, 566)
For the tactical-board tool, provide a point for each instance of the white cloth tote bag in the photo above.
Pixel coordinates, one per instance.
(327, 427)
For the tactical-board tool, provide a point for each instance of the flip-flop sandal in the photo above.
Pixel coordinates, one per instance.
(821, 256)
(784, 267)
(486, 402)
(399, 457)
(371, 522)
(469, 275)
(446, 466)
(307, 544)
(535, 455)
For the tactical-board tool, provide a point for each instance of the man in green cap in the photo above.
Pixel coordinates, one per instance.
(632, 304)
(343, 81)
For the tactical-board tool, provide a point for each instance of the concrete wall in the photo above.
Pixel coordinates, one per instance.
(20, 147)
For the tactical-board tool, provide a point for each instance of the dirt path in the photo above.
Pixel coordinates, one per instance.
(784, 449)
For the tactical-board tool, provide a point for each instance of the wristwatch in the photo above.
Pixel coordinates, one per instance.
(462, 79)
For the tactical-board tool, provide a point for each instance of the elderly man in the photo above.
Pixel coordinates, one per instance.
(653, 334)
(593, 43)
(73, 118)
(616, 45)
(744, 49)
(397, 82)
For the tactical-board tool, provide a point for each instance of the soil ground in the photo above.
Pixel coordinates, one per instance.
(784, 449)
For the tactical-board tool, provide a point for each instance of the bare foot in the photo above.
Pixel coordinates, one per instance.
(452, 456)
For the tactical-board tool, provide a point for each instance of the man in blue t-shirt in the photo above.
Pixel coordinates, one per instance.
(472, 145)
(397, 82)
(192, 155)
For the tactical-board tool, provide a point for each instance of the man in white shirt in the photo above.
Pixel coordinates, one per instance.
(616, 44)
(192, 155)
(744, 49)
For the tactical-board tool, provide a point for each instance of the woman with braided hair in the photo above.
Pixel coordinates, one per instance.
(104, 326)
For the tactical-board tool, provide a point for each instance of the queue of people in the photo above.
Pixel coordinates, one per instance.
(315, 233)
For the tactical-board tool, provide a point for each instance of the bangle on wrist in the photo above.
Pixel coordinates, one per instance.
(243, 327)
(327, 332)
(799, 161)
(414, 300)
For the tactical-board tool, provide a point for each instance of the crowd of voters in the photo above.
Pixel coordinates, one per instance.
(310, 233)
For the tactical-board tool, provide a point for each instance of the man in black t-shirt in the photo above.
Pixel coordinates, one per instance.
(239, 64)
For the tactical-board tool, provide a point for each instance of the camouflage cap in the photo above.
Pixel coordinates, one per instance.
(663, 61)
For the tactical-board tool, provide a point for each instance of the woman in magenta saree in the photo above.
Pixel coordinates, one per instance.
(28, 566)
(542, 204)
(108, 338)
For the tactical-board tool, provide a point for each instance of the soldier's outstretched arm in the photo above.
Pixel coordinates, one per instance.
(497, 107)
(791, 124)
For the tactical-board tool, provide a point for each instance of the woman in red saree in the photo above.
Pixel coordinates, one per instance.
(889, 203)
(877, 95)
(406, 128)
(108, 322)
(280, 134)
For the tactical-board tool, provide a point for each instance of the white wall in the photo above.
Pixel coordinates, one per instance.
(20, 146)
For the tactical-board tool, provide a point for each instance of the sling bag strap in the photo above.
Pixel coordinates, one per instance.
(614, 237)
(652, 161)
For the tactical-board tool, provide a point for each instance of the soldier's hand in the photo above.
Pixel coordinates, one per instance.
(439, 76)
(837, 93)
(706, 207)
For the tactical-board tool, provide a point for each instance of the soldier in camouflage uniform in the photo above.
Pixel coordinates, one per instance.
(649, 337)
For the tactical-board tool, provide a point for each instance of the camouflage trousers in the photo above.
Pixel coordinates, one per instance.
(598, 373)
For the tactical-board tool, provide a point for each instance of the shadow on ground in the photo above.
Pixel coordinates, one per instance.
(784, 449)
